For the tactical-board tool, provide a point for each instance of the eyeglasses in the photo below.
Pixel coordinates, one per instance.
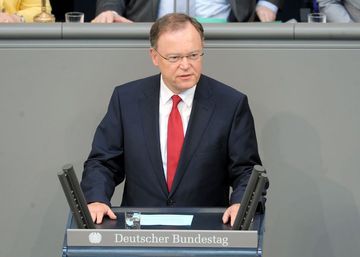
(176, 58)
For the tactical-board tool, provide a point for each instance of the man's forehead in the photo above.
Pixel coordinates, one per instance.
(180, 32)
(175, 28)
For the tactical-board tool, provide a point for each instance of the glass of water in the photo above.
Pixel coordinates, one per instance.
(77, 17)
(132, 219)
(316, 18)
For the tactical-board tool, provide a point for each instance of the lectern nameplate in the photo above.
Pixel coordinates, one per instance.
(162, 238)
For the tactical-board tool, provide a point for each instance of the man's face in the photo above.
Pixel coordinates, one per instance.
(185, 73)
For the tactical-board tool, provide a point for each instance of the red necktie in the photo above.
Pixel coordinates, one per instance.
(175, 139)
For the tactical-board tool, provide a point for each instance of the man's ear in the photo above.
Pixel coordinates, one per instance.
(154, 56)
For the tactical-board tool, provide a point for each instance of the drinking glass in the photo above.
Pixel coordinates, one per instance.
(316, 18)
(74, 17)
(132, 219)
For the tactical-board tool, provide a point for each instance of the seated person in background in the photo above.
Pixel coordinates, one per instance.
(17, 11)
(340, 11)
(109, 11)
(178, 138)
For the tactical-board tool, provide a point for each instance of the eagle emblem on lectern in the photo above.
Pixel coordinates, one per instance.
(95, 237)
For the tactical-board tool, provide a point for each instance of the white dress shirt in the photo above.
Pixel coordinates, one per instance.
(204, 8)
(196, 8)
(165, 105)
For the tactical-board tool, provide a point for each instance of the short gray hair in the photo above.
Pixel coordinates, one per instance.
(173, 22)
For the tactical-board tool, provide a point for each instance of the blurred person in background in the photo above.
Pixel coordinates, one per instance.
(18, 11)
(109, 11)
(340, 11)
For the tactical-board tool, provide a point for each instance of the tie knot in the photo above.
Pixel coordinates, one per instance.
(176, 100)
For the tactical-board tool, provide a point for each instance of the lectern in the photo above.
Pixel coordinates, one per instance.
(206, 236)
(203, 235)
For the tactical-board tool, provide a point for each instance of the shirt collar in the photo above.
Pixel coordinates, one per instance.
(187, 96)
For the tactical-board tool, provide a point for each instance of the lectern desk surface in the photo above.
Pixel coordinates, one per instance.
(206, 236)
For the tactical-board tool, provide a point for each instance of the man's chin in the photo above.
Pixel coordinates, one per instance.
(185, 86)
(186, 83)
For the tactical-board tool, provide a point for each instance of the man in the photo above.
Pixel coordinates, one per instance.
(109, 11)
(340, 11)
(173, 155)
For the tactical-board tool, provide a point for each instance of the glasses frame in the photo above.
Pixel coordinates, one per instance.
(181, 57)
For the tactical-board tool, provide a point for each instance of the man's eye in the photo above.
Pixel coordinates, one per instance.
(173, 58)
(194, 56)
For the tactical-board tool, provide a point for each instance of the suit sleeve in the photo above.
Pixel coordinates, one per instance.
(118, 6)
(103, 170)
(243, 150)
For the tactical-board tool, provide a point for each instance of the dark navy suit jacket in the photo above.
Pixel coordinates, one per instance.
(219, 148)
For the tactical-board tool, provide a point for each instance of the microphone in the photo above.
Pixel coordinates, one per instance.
(254, 190)
(75, 197)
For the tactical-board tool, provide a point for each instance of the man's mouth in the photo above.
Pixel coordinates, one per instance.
(185, 76)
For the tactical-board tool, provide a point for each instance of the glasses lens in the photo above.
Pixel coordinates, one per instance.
(177, 58)
(174, 58)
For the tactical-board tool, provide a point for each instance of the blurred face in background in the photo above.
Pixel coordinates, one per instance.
(178, 54)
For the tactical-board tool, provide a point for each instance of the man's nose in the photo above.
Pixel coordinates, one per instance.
(184, 62)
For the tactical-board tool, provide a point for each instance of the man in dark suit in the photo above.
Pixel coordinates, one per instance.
(215, 146)
(109, 11)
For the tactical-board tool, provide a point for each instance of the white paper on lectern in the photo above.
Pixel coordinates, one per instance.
(166, 219)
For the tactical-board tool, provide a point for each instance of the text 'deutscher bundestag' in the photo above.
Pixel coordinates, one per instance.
(162, 238)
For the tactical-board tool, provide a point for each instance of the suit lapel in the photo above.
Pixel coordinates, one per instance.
(202, 110)
(149, 111)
